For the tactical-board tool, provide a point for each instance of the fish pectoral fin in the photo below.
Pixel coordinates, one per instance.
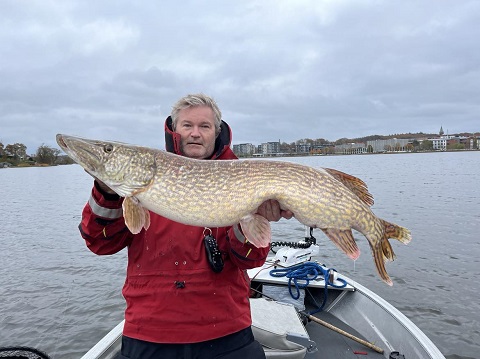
(354, 184)
(256, 230)
(135, 215)
(344, 240)
(146, 225)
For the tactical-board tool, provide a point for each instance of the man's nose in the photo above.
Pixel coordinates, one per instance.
(195, 131)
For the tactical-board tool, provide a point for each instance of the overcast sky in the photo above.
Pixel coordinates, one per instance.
(279, 70)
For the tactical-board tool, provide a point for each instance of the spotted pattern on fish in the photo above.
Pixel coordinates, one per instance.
(225, 192)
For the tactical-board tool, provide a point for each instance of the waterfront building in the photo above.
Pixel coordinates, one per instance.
(439, 144)
(473, 143)
(443, 142)
(244, 149)
(390, 145)
(350, 149)
(303, 148)
(270, 148)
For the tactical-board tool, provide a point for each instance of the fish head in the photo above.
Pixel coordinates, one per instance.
(126, 169)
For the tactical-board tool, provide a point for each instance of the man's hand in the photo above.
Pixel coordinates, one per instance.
(271, 210)
(102, 185)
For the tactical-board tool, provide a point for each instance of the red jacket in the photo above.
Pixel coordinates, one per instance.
(171, 292)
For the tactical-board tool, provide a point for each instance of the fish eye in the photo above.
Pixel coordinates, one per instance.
(108, 148)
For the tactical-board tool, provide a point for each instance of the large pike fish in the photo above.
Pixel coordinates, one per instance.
(225, 192)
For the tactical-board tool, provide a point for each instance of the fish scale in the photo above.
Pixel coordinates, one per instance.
(223, 193)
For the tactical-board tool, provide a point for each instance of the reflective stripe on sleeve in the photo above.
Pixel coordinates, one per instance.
(111, 213)
(238, 233)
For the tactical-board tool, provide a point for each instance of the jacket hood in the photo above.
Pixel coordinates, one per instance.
(222, 142)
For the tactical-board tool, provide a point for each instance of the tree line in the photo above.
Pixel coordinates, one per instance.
(16, 155)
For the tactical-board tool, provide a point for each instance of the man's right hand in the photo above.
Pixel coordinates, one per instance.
(102, 185)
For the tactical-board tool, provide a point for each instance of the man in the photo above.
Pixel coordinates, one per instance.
(179, 303)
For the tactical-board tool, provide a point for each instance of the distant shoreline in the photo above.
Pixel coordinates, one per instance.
(26, 165)
(352, 154)
(21, 165)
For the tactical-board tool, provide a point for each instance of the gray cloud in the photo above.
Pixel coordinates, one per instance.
(279, 70)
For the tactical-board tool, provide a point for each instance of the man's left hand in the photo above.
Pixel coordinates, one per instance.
(271, 210)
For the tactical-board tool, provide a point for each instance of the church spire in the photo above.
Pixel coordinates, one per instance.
(441, 131)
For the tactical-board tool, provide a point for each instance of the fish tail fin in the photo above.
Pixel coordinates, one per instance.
(384, 250)
(394, 231)
(379, 259)
(388, 253)
(344, 240)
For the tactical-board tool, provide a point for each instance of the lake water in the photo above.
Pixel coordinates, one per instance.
(57, 296)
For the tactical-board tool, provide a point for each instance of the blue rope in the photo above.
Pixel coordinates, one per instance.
(301, 275)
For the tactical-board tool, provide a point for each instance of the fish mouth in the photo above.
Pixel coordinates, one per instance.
(61, 141)
(79, 151)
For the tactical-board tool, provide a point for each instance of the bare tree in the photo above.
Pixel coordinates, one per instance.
(47, 155)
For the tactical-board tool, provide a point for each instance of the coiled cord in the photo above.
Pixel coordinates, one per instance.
(291, 244)
(300, 275)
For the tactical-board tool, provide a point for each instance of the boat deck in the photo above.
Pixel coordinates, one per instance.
(330, 344)
(276, 317)
(333, 345)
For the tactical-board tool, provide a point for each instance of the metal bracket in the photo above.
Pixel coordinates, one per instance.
(306, 342)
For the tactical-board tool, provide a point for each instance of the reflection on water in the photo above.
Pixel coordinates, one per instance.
(59, 297)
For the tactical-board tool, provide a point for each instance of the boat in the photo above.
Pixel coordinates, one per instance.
(326, 315)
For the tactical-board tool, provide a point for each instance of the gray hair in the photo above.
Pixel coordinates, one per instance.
(197, 100)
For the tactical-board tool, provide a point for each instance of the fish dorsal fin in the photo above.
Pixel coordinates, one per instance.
(135, 215)
(257, 230)
(354, 184)
(344, 240)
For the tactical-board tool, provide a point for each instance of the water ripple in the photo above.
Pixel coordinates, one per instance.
(57, 296)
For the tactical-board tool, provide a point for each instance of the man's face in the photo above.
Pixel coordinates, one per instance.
(196, 127)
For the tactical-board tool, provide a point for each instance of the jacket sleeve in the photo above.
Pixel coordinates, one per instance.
(244, 254)
(103, 226)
